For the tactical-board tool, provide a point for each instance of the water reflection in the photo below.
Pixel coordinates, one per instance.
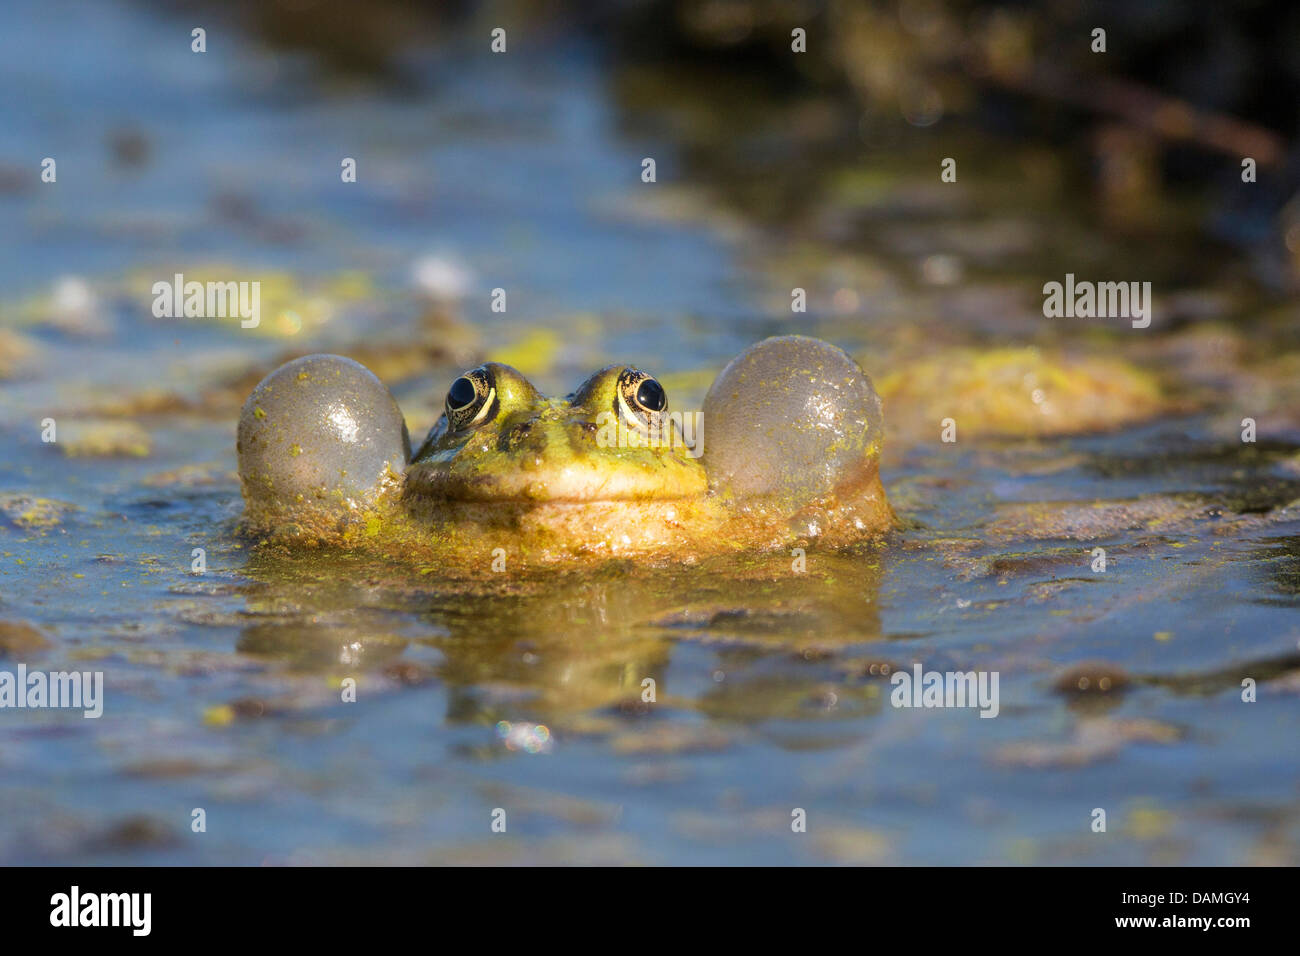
(744, 642)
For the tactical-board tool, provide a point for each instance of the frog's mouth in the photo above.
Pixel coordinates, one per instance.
(575, 482)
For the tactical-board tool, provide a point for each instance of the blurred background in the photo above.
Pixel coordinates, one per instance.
(775, 170)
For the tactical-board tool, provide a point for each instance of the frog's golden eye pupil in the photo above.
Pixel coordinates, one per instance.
(461, 394)
(651, 396)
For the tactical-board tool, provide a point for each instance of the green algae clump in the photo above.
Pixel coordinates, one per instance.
(1019, 392)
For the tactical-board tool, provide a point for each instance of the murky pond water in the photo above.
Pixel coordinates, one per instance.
(223, 688)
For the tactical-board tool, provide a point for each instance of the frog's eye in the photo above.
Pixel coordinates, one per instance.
(651, 396)
(641, 398)
(471, 400)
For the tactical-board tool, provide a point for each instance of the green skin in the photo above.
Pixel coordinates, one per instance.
(533, 448)
(791, 458)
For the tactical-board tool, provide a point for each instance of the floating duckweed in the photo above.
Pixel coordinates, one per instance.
(104, 439)
(220, 716)
(534, 354)
(1018, 392)
(27, 511)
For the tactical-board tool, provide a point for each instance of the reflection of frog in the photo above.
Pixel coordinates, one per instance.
(789, 453)
(571, 647)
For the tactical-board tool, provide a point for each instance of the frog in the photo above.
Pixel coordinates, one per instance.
(783, 453)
